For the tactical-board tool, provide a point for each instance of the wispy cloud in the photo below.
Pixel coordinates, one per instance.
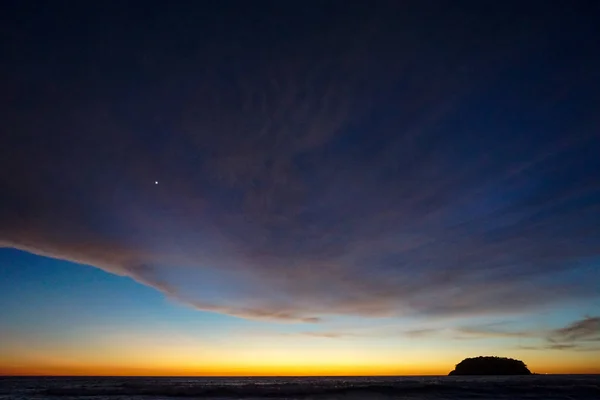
(586, 329)
(351, 174)
(419, 333)
(580, 335)
(473, 332)
(361, 332)
(330, 335)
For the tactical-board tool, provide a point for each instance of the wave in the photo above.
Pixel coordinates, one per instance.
(436, 389)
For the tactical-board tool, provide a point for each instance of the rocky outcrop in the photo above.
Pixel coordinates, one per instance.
(490, 366)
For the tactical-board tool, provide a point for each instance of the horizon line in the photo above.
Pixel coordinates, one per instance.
(253, 376)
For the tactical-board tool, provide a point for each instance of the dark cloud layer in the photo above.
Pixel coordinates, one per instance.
(372, 161)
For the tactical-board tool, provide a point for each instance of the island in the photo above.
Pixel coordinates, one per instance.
(490, 365)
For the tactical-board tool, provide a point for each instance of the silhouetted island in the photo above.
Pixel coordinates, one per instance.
(490, 366)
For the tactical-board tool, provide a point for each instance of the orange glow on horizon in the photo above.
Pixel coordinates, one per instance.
(283, 370)
(138, 355)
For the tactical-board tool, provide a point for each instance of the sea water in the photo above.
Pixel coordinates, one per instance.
(547, 387)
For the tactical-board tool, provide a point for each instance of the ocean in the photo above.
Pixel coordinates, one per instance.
(547, 387)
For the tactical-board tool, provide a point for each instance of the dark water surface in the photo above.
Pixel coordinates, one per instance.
(546, 387)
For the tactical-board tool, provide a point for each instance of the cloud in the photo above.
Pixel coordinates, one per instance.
(341, 174)
(586, 329)
(572, 347)
(483, 333)
(329, 335)
(419, 333)
(358, 331)
(579, 335)
(561, 346)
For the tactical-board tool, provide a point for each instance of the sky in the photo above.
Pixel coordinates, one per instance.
(298, 188)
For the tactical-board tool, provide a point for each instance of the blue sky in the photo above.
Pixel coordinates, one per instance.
(60, 316)
(277, 187)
